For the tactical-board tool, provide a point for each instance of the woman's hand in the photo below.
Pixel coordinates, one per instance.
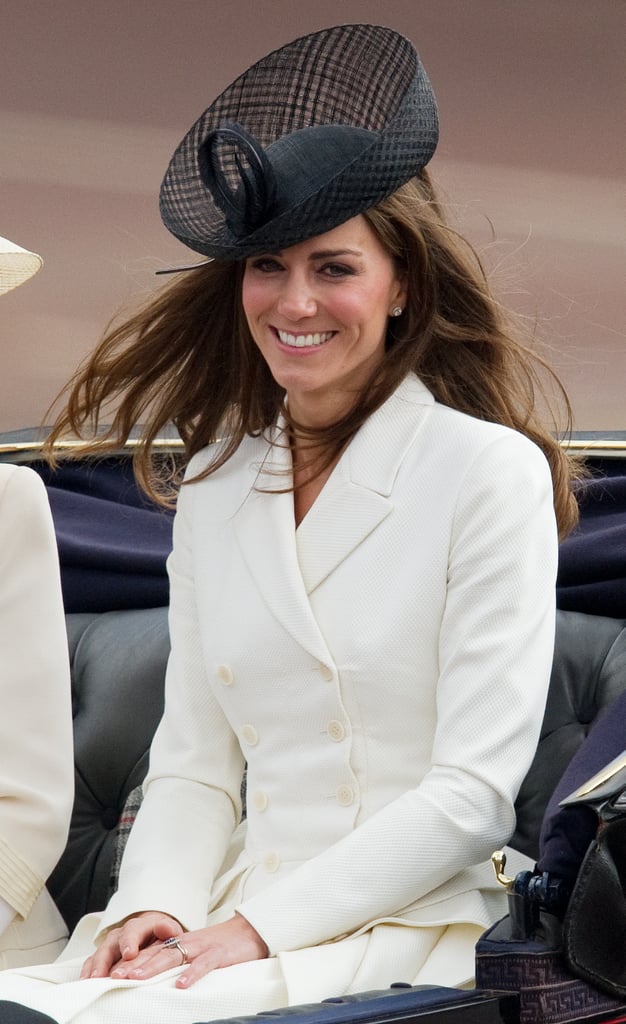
(136, 950)
(122, 945)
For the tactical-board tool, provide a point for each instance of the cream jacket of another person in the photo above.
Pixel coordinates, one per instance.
(382, 669)
(36, 754)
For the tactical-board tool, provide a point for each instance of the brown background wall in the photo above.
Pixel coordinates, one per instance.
(95, 96)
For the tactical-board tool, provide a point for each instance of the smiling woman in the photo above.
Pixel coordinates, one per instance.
(364, 551)
(318, 312)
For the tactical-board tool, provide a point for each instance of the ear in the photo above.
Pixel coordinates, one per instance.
(401, 294)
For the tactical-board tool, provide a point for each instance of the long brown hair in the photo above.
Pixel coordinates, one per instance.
(187, 358)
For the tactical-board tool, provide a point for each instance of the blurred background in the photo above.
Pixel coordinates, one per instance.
(94, 97)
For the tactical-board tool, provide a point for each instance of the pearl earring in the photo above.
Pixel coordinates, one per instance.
(397, 311)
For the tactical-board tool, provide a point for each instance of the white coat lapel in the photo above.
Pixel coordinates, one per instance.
(357, 496)
(264, 528)
(344, 514)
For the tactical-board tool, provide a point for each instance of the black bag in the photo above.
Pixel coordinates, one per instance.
(594, 927)
(563, 948)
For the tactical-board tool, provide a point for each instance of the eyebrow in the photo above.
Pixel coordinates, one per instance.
(325, 254)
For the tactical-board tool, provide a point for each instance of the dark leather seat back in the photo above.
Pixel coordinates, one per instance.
(118, 668)
(588, 672)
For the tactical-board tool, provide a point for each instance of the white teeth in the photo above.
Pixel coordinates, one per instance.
(304, 340)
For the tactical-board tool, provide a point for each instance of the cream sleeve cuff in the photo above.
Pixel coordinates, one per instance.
(7, 913)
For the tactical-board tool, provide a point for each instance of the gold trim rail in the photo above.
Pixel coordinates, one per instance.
(165, 444)
(598, 446)
(592, 446)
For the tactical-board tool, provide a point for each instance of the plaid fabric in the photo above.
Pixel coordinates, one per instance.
(124, 825)
(362, 77)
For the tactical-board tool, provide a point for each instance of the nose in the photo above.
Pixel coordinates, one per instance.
(296, 299)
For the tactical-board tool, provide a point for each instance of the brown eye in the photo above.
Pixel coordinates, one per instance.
(337, 270)
(266, 265)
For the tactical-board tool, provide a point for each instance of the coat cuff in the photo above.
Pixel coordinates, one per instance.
(19, 884)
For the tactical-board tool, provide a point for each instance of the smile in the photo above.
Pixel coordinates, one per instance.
(305, 340)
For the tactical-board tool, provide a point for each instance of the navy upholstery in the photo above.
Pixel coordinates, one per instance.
(113, 542)
(592, 562)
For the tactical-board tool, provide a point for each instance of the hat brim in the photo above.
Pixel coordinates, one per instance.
(353, 76)
(17, 265)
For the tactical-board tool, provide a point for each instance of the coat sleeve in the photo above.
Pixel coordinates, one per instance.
(192, 792)
(36, 753)
(495, 653)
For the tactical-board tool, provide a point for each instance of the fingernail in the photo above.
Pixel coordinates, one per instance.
(182, 981)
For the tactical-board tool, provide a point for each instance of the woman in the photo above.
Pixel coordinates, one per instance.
(36, 762)
(362, 577)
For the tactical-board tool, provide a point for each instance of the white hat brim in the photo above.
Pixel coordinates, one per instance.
(16, 265)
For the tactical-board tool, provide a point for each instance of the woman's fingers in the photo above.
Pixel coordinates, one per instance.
(235, 941)
(99, 964)
(143, 930)
(153, 959)
(139, 949)
(122, 946)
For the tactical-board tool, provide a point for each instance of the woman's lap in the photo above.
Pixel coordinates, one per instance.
(376, 959)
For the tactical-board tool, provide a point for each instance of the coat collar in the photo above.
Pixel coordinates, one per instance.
(287, 568)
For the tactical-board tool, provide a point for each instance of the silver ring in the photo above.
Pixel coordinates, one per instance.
(174, 943)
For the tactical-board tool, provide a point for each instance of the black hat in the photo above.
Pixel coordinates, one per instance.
(308, 137)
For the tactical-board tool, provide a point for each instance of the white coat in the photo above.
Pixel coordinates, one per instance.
(36, 755)
(382, 670)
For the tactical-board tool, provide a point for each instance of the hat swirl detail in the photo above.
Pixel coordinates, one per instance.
(244, 213)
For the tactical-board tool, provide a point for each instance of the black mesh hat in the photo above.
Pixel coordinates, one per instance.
(308, 137)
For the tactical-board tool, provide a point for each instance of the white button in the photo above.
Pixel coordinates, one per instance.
(271, 862)
(225, 674)
(259, 800)
(345, 796)
(250, 735)
(326, 672)
(336, 731)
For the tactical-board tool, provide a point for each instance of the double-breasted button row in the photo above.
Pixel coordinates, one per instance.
(336, 731)
(259, 800)
(345, 796)
(225, 675)
(249, 735)
(271, 862)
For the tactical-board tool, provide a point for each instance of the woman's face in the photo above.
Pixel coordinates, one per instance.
(318, 312)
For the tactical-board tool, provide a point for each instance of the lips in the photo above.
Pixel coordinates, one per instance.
(305, 340)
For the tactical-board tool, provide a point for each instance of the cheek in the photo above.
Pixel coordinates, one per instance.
(360, 308)
(253, 298)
